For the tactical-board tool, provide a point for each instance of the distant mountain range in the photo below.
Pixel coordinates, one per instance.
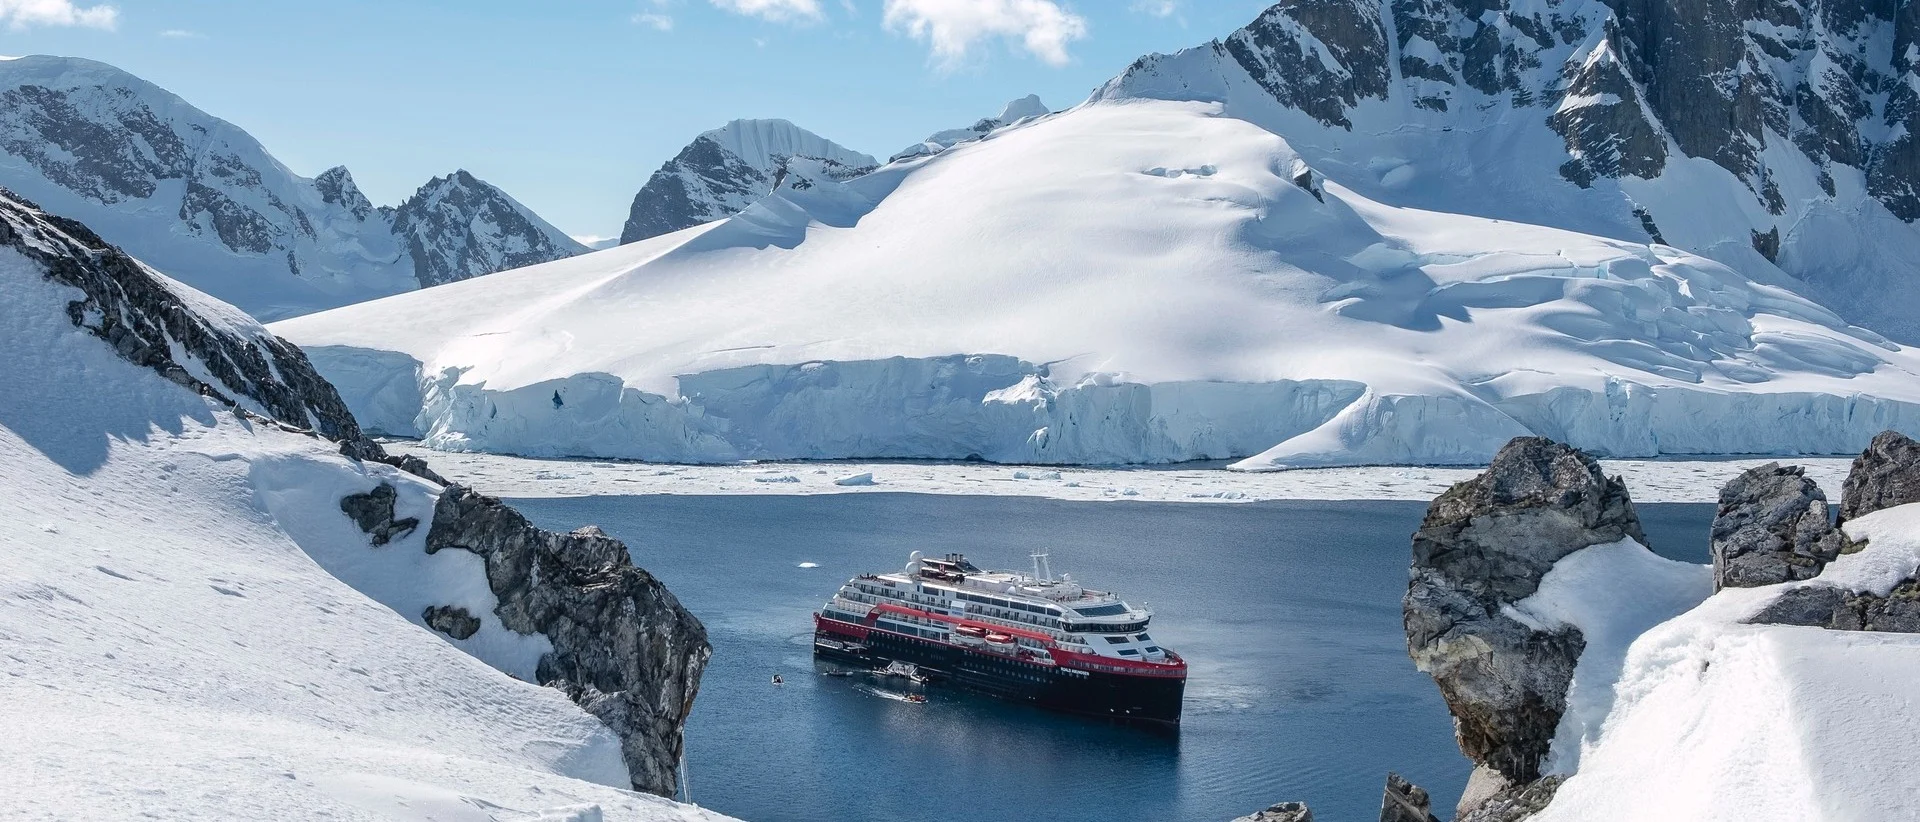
(202, 200)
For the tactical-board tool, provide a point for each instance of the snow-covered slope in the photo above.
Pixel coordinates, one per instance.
(1702, 717)
(198, 197)
(1014, 112)
(1131, 280)
(194, 627)
(1752, 134)
(727, 169)
(457, 227)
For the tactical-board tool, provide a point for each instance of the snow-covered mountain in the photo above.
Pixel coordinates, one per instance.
(197, 196)
(727, 169)
(1014, 112)
(1130, 280)
(1753, 134)
(457, 227)
(221, 600)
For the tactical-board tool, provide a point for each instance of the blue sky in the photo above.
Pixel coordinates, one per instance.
(570, 105)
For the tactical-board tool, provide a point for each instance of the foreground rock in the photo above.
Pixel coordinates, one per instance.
(1885, 475)
(623, 647)
(1405, 802)
(1771, 527)
(1283, 812)
(1486, 543)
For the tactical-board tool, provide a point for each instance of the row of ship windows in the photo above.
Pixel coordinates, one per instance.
(1120, 640)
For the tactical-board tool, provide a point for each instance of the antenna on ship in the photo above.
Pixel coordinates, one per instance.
(1042, 568)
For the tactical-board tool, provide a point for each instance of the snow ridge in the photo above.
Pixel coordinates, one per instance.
(1015, 111)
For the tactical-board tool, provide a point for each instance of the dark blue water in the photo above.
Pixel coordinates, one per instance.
(1288, 612)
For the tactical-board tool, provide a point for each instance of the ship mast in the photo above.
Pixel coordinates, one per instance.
(1042, 568)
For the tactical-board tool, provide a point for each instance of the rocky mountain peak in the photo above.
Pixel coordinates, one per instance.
(198, 197)
(457, 227)
(729, 168)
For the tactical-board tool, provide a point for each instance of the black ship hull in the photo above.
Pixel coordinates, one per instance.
(1152, 701)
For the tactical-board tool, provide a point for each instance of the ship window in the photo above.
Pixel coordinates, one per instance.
(1115, 609)
(1129, 652)
(1144, 638)
(1116, 640)
(1153, 649)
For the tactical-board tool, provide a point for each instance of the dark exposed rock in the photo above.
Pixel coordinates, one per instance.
(1824, 606)
(373, 512)
(1771, 527)
(1277, 52)
(1514, 803)
(451, 620)
(1283, 812)
(1768, 242)
(623, 647)
(1886, 474)
(1404, 801)
(1487, 543)
(1610, 133)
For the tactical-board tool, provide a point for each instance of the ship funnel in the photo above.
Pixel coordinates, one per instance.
(913, 562)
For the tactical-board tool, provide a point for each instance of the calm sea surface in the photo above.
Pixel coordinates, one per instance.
(1288, 613)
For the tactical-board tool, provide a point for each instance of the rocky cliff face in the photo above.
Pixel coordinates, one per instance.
(199, 198)
(1486, 544)
(1805, 109)
(623, 647)
(457, 227)
(729, 168)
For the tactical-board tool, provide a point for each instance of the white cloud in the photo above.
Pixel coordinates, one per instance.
(1157, 8)
(654, 20)
(20, 14)
(182, 34)
(953, 27)
(778, 11)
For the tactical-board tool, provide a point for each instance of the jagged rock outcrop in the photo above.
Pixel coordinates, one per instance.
(1886, 474)
(1486, 543)
(623, 647)
(458, 227)
(729, 168)
(1283, 812)
(1404, 801)
(373, 512)
(451, 620)
(1771, 527)
(200, 199)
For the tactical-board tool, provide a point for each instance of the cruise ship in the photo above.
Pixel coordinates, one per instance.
(1024, 637)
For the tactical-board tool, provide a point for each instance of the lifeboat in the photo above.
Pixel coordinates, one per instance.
(971, 630)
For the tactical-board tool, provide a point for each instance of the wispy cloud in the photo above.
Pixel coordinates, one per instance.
(182, 34)
(953, 27)
(654, 20)
(20, 14)
(777, 11)
(1156, 8)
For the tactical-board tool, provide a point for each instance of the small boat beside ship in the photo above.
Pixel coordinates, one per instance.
(1027, 638)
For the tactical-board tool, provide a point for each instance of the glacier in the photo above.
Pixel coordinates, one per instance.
(1130, 281)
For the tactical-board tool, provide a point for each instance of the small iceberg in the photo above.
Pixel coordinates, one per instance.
(856, 479)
